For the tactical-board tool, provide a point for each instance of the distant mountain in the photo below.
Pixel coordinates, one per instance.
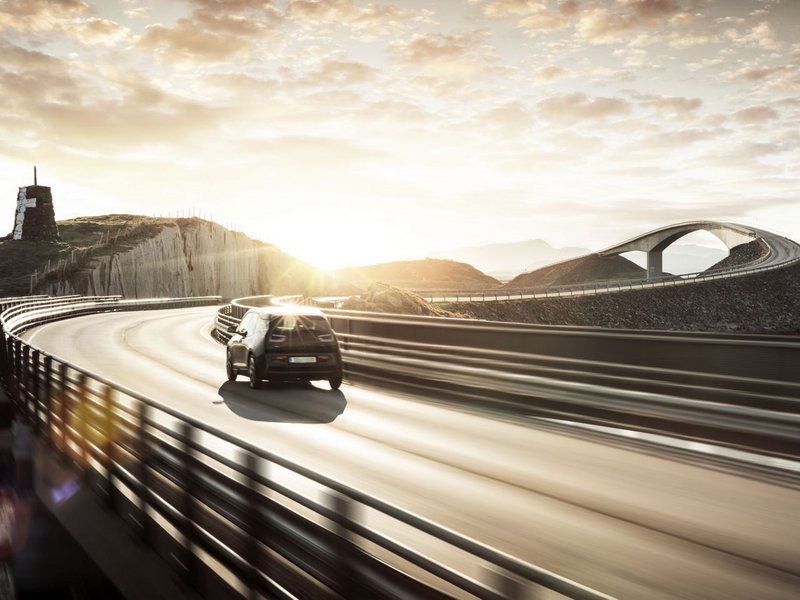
(506, 260)
(688, 258)
(424, 274)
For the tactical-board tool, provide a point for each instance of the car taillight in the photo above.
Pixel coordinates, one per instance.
(325, 337)
(323, 357)
(277, 338)
(282, 358)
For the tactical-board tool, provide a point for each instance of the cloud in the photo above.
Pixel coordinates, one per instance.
(755, 114)
(677, 140)
(779, 77)
(448, 56)
(437, 46)
(651, 9)
(95, 31)
(216, 31)
(512, 118)
(550, 73)
(18, 58)
(35, 15)
(580, 107)
(500, 9)
(185, 42)
(97, 112)
(760, 36)
(340, 72)
(601, 26)
(370, 20)
(673, 104)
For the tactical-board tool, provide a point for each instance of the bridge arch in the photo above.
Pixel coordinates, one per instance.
(655, 242)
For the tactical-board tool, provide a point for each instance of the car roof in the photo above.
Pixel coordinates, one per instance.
(287, 309)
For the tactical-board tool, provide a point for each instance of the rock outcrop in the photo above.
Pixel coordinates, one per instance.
(387, 299)
(183, 257)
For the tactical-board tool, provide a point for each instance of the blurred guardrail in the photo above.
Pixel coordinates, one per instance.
(601, 287)
(217, 508)
(740, 390)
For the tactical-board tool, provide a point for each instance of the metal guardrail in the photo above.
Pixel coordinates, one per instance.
(455, 296)
(217, 508)
(739, 390)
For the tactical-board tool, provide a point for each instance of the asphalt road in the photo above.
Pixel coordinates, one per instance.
(630, 524)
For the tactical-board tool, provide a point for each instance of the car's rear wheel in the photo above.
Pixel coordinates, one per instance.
(232, 373)
(253, 372)
(335, 381)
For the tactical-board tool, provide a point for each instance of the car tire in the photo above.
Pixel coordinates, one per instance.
(231, 372)
(253, 372)
(335, 381)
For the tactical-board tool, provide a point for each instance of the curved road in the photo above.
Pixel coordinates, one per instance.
(629, 524)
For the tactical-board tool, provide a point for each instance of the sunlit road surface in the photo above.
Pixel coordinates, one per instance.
(628, 524)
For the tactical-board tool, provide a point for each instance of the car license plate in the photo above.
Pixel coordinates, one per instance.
(302, 359)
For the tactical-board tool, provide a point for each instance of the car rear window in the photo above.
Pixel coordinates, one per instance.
(299, 323)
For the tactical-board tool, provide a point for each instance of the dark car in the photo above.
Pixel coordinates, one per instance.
(284, 343)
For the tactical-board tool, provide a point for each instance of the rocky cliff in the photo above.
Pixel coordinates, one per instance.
(171, 258)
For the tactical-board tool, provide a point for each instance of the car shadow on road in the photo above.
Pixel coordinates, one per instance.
(283, 402)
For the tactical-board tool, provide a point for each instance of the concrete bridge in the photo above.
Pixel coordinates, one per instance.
(655, 242)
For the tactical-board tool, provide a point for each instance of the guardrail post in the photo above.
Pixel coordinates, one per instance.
(110, 435)
(81, 412)
(252, 548)
(14, 347)
(143, 454)
(24, 389)
(47, 390)
(36, 390)
(345, 568)
(191, 529)
(62, 408)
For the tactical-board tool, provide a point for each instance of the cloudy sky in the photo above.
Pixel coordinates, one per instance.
(351, 132)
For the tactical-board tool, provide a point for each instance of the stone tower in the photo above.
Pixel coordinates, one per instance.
(35, 219)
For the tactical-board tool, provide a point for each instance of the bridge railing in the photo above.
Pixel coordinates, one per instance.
(230, 516)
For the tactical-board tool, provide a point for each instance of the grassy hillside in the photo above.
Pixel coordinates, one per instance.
(429, 274)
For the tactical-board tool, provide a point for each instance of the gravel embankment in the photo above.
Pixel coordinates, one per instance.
(761, 303)
(742, 254)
